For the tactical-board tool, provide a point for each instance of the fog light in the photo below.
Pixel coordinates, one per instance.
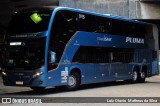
(3, 73)
(37, 74)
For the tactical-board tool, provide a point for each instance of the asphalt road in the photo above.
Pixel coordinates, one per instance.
(151, 88)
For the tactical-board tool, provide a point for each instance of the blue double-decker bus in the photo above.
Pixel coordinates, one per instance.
(69, 47)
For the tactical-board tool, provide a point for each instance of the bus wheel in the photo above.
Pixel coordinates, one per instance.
(135, 77)
(73, 81)
(143, 77)
(37, 89)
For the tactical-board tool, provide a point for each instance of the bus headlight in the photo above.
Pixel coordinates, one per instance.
(3, 73)
(37, 74)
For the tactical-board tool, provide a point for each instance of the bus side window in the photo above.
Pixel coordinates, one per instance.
(103, 25)
(86, 22)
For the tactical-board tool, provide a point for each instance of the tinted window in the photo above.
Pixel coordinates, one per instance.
(92, 55)
(117, 27)
(103, 25)
(139, 30)
(122, 55)
(86, 54)
(91, 23)
(86, 22)
(125, 28)
(63, 28)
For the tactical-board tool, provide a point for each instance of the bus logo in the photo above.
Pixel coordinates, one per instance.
(36, 18)
(105, 39)
(134, 40)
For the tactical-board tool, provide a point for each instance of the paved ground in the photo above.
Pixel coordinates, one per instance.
(120, 89)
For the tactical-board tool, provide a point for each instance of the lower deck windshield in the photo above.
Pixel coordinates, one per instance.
(25, 54)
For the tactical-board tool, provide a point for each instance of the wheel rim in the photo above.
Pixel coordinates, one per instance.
(142, 75)
(135, 76)
(72, 81)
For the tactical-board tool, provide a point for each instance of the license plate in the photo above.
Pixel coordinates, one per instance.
(19, 82)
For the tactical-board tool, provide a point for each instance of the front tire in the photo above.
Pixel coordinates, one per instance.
(135, 77)
(73, 81)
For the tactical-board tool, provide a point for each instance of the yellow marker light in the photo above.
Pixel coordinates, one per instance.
(37, 74)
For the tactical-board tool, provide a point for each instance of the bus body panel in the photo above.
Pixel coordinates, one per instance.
(101, 72)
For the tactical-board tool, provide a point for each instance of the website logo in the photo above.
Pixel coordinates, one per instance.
(6, 100)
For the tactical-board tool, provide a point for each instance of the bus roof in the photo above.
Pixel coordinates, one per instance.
(57, 8)
(102, 15)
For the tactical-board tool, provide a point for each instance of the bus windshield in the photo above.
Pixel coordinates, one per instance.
(29, 22)
(27, 54)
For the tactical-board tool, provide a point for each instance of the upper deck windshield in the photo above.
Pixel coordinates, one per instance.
(29, 22)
